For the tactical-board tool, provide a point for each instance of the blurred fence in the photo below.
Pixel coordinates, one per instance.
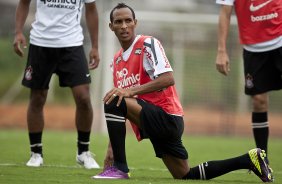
(213, 103)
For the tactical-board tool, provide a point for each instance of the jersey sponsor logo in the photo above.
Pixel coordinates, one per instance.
(138, 51)
(28, 73)
(126, 80)
(66, 4)
(264, 17)
(259, 6)
(59, 1)
(148, 55)
(118, 60)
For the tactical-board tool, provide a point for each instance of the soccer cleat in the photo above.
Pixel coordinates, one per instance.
(86, 159)
(259, 166)
(35, 160)
(111, 173)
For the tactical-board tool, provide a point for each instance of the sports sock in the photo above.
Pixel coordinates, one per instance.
(83, 141)
(35, 140)
(260, 129)
(212, 169)
(115, 117)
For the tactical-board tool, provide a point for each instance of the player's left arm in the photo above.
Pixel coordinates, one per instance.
(163, 81)
(222, 58)
(92, 21)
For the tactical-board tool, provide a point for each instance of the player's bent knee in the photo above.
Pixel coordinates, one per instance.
(114, 109)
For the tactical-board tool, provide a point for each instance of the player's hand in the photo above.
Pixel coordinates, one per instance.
(222, 62)
(94, 58)
(109, 159)
(121, 93)
(19, 42)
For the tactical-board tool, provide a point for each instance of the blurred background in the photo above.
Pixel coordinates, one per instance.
(214, 104)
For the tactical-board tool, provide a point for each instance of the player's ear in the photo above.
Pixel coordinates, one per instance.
(135, 23)
(111, 26)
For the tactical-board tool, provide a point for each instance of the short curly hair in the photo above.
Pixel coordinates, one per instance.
(119, 6)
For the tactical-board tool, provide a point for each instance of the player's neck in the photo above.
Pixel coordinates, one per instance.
(126, 44)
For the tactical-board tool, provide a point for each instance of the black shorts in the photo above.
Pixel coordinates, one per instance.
(69, 63)
(263, 71)
(163, 130)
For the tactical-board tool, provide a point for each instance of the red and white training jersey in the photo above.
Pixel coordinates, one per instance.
(141, 63)
(258, 20)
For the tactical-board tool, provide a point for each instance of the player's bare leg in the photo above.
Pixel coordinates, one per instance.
(35, 117)
(176, 166)
(35, 121)
(133, 110)
(84, 111)
(260, 102)
(83, 121)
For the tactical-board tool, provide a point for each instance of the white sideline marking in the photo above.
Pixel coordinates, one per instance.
(45, 165)
(76, 166)
(131, 168)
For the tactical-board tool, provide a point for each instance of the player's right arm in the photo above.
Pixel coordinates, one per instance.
(21, 15)
(92, 22)
(222, 58)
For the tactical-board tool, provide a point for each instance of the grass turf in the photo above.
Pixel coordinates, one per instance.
(60, 166)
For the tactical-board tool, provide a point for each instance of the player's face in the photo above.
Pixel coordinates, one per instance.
(123, 25)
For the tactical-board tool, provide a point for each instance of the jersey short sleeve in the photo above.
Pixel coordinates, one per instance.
(155, 61)
(225, 2)
(89, 1)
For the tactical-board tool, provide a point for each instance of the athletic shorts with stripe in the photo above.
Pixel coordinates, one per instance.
(163, 130)
(263, 71)
(69, 63)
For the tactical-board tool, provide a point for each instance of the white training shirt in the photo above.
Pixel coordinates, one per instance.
(149, 62)
(57, 23)
(259, 47)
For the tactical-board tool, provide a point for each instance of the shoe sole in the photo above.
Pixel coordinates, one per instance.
(107, 177)
(82, 164)
(35, 165)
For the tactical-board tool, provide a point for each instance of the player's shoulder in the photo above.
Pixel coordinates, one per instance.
(225, 2)
(89, 1)
(150, 40)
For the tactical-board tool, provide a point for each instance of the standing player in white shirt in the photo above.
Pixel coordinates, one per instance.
(260, 31)
(56, 46)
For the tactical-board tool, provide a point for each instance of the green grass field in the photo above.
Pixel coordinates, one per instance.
(60, 166)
